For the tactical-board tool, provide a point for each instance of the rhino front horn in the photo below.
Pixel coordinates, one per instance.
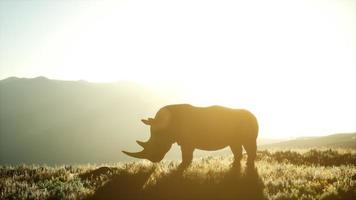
(140, 154)
(142, 144)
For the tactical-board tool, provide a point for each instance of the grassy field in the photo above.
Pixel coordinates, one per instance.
(305, 174)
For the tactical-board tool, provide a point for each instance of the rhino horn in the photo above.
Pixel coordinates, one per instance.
(148, 121)
(142, 144)
(140, 154)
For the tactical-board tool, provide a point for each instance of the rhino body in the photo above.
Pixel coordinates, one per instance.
(205, 128)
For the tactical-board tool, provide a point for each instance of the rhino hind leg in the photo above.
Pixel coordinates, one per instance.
(237, 151)
(251, 150)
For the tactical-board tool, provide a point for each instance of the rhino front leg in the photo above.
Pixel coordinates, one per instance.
(187, 157)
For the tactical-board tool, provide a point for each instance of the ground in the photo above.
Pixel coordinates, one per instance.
(302, 174)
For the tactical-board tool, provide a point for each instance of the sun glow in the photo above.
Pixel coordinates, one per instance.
(288, 61)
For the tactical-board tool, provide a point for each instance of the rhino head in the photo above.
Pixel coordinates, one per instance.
(159, 142)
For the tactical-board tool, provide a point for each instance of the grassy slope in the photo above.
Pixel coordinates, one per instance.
(347, 140)
(278, 175)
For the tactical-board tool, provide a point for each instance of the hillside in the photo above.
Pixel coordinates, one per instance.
(51, 121)
(330, 141)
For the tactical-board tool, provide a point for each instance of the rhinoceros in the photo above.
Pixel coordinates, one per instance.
(205, 128)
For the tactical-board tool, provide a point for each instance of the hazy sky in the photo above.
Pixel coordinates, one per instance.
(293, 63)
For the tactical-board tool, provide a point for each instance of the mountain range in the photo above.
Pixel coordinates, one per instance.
(52, 121)
(47, 121)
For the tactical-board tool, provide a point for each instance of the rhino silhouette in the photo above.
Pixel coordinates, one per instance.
(205, 128)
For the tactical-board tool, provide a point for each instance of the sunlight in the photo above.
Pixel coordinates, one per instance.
(278, 58)
(107, 42)
(134, 42)
(188, 99)
(268, 64)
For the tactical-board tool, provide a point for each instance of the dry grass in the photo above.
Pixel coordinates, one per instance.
(312, 174)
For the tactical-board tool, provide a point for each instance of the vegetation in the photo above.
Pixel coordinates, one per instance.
(312, 174)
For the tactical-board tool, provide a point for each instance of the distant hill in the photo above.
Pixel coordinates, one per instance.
(56, 122)
(347, 140)
(51, 121)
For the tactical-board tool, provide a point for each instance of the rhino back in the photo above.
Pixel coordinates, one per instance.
(211, 127)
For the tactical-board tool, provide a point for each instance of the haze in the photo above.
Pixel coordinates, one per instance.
(292, 63)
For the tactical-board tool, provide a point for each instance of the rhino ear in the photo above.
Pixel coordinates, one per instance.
(148, 121)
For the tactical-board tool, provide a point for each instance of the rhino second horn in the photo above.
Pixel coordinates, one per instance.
(140, 154)
(142, 144)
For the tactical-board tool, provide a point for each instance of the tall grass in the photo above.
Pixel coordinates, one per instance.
(312, 174)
